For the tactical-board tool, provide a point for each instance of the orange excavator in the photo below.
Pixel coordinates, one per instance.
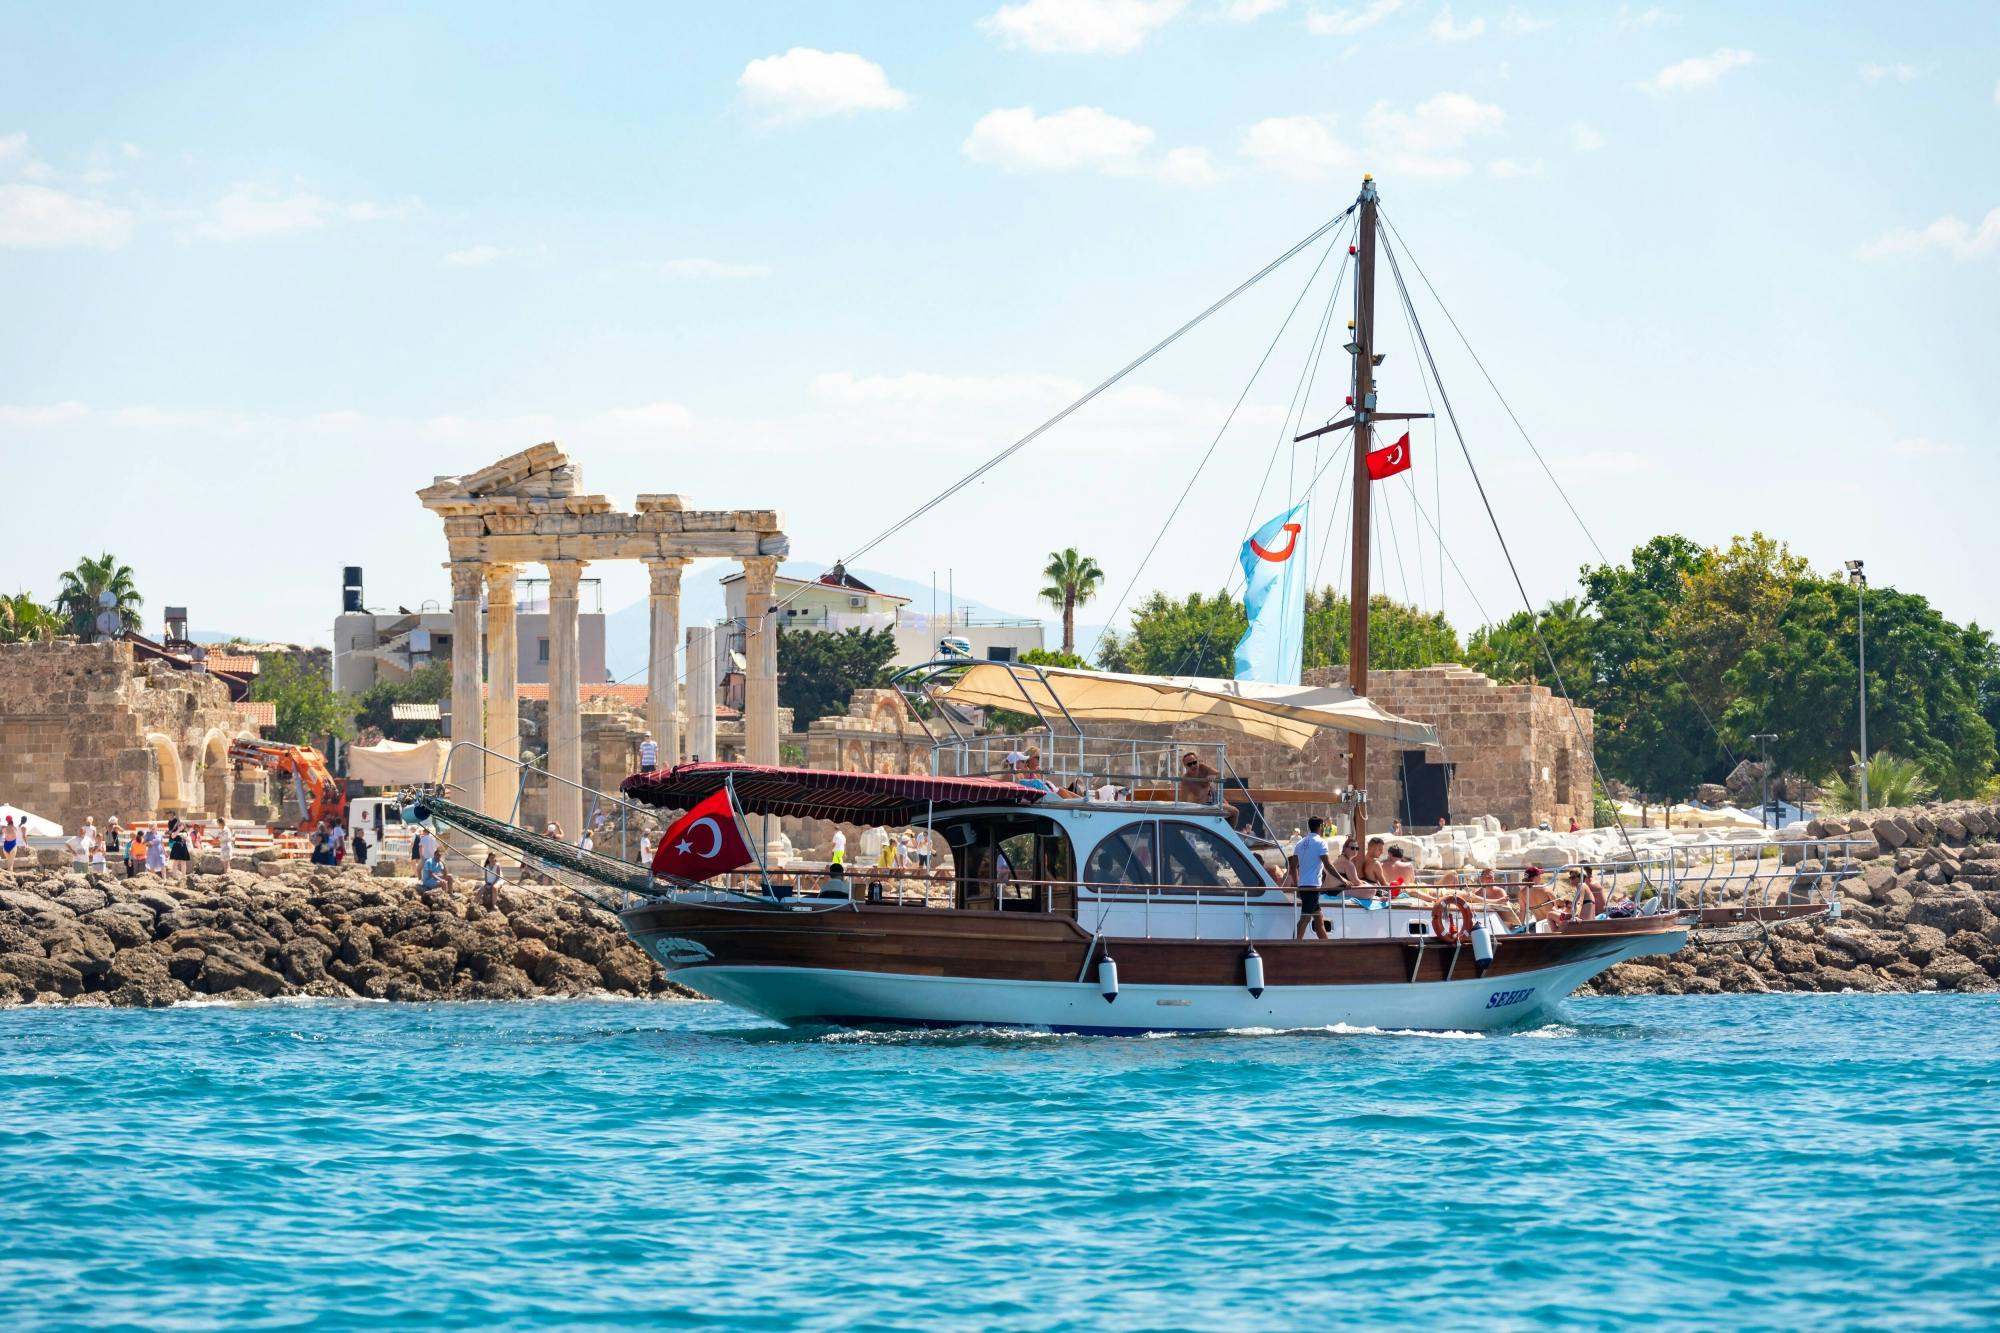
(317, 794)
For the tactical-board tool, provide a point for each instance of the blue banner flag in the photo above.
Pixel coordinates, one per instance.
(1274, 566)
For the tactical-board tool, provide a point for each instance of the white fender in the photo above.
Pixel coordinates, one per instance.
(1482, 948)
(1253, 972)
(1107, 978)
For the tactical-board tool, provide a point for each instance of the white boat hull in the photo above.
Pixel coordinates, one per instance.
(814, 996)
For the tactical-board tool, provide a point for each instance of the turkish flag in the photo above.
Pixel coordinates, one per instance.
(1385, 463)
(705, 841)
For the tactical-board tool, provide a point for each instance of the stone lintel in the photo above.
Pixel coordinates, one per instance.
(656, 502)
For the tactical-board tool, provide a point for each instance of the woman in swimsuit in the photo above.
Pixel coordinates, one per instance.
(10, 841)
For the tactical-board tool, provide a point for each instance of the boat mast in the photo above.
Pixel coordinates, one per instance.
(1363, 344)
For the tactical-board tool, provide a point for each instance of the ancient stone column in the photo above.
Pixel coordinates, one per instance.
(503, 704)
(662, 680)
(760, 661)
(700, 693)
(565, 762)
(466, 771)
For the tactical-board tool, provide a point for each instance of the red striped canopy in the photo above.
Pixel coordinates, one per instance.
(822, 793)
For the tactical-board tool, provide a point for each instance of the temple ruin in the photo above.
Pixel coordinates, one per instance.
(530, 508)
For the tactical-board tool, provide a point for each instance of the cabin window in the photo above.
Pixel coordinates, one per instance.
(1126, 857)
(1199, 857)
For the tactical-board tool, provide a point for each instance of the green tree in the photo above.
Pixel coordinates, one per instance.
(77, 599)
(1510, 653)
(819, 672)
(377, 705)
(25, 620)
(1400, 636)
(1195, 636)
(1928, 683)
(308, 708)
(1053, 657)
(1070, 580)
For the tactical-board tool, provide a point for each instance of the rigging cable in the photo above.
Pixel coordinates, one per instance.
(1188, 490)
(1549, 472)
(1479, 485)
(1062, 415)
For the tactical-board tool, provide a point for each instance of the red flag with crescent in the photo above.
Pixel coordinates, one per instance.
(705, 841)
(1385, 463)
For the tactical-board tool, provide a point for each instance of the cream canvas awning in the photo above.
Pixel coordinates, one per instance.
(397, 763)
(1289, 714)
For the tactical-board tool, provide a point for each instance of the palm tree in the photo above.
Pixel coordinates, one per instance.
(1892, 781)
(1072, 580)
(77, 602)
(25, 620)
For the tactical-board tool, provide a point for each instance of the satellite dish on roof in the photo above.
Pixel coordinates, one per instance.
(108, 622)
(106, 600)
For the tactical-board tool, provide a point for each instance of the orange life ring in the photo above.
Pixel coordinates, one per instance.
(1441, 916)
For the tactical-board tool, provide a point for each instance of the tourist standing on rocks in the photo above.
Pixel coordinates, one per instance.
(361, 847)
(114, 837)
(135, 852)
(93, 845)
(489, 888)
(10, 841)
(177, 847)
(156, 852)
(649, 752)
(225, 846)
(336, 845)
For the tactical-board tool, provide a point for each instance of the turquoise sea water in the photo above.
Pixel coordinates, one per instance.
(1767, 1161)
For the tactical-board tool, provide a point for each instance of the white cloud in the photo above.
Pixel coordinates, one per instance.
(1248, 11)
(1923, 447)
(1653, 17)
(1188, 166)
(1438, 123)
(1517, 24)
(1698, 71)
(1584, 138)
(131, 150)
(13, 145)
(475, 256)
(1507, 168)
(706, 268)
(1953, 235)
(1445, 29)
(54, 414)
(1080, 27)
(1302, 147)
(1016, 139)
(1898, 73)
(1418, 141)
(1349, 22)
(249, 212)
(804, 84)
(37, 217)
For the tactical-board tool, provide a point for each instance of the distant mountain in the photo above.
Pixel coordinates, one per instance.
(628, 630)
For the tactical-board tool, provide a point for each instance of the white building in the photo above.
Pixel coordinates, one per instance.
(371, 646)
(833, 604)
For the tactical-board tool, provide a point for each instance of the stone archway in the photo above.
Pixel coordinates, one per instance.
(218, 776)
(172, 792)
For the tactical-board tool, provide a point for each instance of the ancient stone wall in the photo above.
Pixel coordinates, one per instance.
(84, 731)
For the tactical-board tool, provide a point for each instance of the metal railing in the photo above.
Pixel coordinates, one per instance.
(1087, 762)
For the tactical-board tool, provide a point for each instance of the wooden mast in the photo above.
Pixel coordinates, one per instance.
(1364, 410)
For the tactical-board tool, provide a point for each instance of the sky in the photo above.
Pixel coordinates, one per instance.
(268, 270)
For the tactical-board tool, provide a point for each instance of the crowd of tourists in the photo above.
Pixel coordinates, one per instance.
(1377, 874)
(168, 849)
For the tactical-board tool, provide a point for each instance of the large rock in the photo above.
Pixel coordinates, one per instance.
(31, 975)
(1889, 833)
(1923, 943)
(226, 970)
(1952, 913)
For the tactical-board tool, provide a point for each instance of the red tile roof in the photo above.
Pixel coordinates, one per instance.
(257, 714)
(241, 664)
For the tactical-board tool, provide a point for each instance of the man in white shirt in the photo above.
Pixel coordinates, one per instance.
(649, 752)
(1309, 863)
(839, 847)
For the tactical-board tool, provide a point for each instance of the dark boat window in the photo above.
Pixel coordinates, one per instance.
(1126, 857)
(1200, 857)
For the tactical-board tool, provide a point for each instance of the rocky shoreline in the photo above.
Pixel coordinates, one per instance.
(1921, 914)
(299, 930)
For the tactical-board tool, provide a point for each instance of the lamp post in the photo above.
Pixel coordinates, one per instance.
(1859, 582)
(1764, 740)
